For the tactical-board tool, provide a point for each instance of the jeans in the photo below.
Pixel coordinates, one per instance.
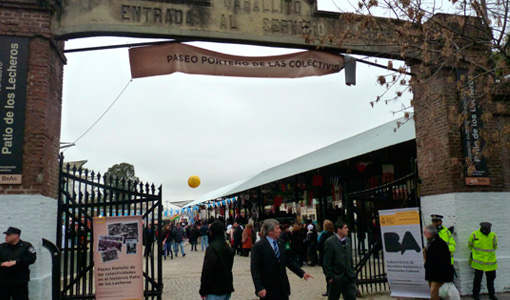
(218, 297)
(204, 240)
(167, 250)
(176, 247)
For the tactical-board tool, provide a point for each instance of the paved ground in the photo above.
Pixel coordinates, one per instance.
(182, 281)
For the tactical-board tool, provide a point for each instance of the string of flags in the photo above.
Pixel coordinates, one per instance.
(175, 213)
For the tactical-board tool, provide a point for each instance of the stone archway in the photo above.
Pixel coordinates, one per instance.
(40, 25)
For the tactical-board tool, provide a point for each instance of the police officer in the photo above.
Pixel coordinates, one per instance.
(15, 257)
(444, 233)
(483, 244)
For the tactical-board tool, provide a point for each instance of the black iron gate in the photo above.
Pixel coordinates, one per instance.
(83, 195)
(361, 207)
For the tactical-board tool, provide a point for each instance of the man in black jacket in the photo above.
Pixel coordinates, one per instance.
(268, 262)
(217, 280)
(438, 266)
(15, 257)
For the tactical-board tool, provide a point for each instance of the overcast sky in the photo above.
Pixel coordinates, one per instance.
(221, 129)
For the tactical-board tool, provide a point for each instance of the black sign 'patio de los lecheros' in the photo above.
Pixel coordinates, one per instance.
(473, 143)
(13, 86)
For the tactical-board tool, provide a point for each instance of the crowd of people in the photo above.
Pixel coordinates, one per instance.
(272, 250)
(302, 243)
(297, 245)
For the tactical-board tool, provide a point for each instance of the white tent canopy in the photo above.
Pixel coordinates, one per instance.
(169, 205)
(366, 142)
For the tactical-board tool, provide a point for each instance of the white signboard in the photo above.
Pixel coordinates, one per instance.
(403, 256)
(118, 267)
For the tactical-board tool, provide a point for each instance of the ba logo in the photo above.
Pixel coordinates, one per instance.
(392, 242)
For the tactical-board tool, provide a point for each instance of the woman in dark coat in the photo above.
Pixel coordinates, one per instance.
(329, 229)
(194, 235)
(217, 280)
(311, 243)
(296, 245)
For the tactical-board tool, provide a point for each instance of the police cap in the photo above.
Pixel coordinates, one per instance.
(12, 230)
(436, 217)
(486, 224)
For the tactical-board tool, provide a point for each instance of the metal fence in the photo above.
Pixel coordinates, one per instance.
(83, 195)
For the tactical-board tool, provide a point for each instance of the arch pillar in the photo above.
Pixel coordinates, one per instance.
(31, 204)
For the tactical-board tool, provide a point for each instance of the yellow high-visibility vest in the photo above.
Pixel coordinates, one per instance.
(483, 251)
(447, 236)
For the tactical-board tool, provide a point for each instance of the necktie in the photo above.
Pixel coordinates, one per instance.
(276, 250)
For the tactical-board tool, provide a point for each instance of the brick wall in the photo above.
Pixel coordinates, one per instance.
(438, 140)
(44, 96)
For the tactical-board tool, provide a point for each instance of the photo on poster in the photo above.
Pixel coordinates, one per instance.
(109, 255)
(130, 247)
(117, 238)
(126, 230)
(108, 242)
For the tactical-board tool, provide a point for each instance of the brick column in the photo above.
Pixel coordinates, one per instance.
(32, 205)
(43, 98)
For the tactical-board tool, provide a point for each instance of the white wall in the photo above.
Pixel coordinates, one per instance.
(466, 211)
(36, 216)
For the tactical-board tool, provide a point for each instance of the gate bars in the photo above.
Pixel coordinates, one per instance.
(361, 211)
(83, 195)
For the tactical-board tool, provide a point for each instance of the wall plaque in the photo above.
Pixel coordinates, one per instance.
(288, 23)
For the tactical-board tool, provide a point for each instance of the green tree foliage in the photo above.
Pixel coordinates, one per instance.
(121, 177)
(122, 171)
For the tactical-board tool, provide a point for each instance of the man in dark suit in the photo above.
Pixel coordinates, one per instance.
(268, 262)
(338, 264)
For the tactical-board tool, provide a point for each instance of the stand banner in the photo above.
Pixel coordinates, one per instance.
(403, 256)
(118, 267)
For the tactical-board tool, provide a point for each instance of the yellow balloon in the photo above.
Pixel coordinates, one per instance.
(193, 181)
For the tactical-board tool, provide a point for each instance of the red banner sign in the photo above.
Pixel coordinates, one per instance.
(176, 57)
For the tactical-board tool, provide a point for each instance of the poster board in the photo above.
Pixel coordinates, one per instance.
(118, 267)
(403, 256)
